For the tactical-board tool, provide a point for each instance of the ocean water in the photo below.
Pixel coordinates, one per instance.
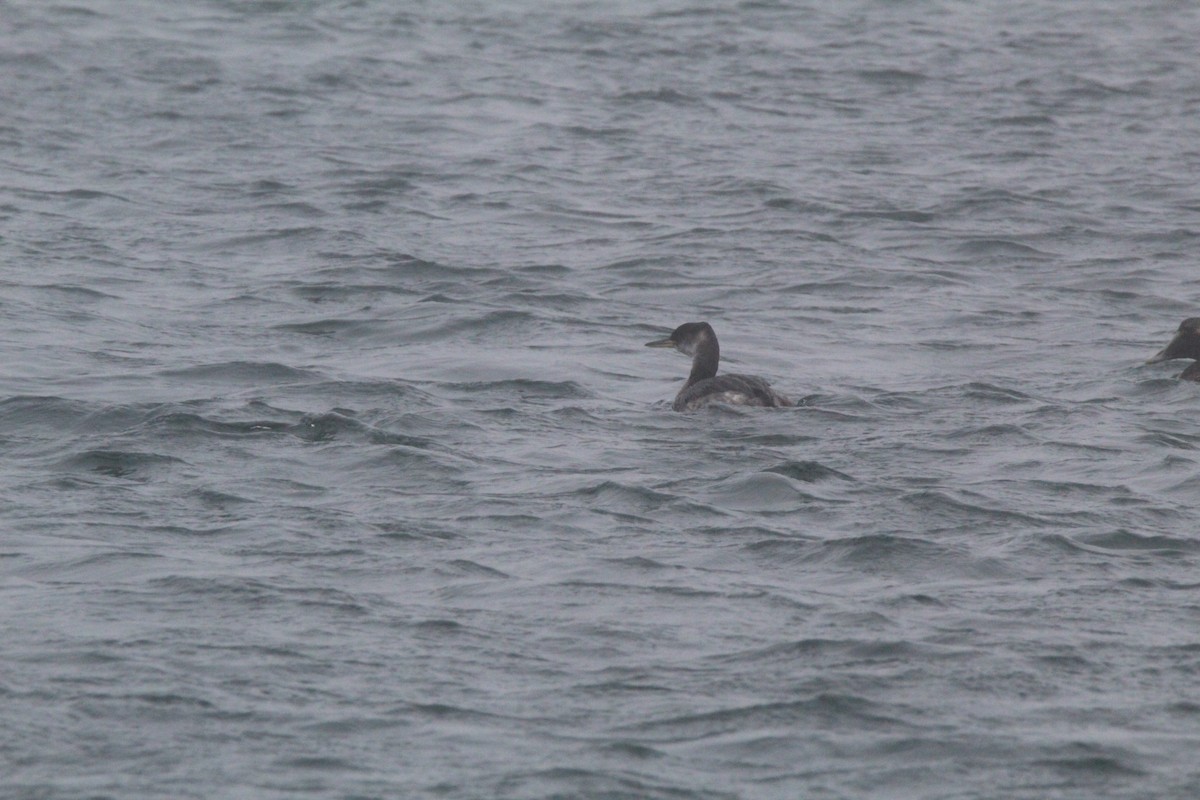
(334, 465)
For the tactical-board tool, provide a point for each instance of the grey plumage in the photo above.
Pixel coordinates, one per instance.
(704, 386)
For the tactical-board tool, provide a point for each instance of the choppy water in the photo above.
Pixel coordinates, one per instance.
(333, 464)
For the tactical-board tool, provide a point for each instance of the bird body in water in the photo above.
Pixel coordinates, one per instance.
(704, 386)
(1186, 344)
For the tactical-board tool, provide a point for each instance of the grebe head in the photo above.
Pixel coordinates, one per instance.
(1186, 343)
(688, 338)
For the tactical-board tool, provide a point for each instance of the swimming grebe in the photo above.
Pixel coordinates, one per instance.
(1186, 344)
(698, 340)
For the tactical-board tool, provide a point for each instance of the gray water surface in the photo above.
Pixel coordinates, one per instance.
(334, 466)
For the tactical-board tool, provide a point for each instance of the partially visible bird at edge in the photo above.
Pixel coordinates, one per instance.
(1186, 344)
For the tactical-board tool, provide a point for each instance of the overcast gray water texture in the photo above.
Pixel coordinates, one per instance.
(334, 465)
